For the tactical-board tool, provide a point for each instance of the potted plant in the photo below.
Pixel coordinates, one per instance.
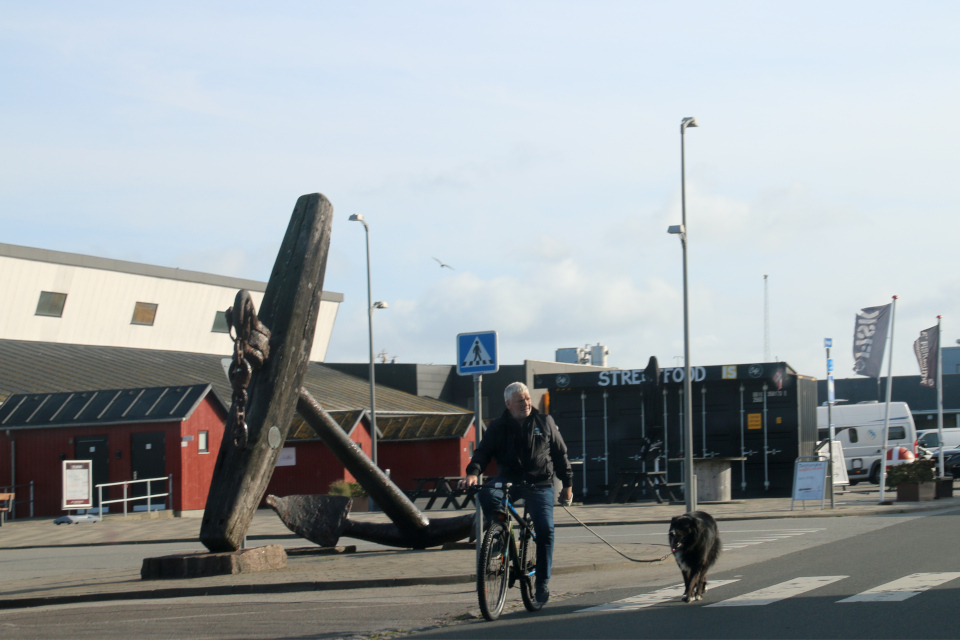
(358, 495)
(914, 481)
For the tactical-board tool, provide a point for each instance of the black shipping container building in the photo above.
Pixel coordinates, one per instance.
(764, 412)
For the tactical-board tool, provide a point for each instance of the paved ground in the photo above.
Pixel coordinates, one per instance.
(378, 566)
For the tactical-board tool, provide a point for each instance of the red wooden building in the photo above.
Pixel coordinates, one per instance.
(129, 434)
(46, 421)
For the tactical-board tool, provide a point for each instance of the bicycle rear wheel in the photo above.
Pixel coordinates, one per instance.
(528, 566)
(493, 570)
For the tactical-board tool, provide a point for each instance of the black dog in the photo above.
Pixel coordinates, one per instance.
(695, 545)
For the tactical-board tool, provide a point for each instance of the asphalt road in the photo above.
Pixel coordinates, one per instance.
(759, 554)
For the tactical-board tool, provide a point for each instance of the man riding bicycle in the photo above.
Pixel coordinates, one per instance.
(528, 448)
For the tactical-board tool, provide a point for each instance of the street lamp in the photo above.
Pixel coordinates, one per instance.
(690, 480)
(356, 217)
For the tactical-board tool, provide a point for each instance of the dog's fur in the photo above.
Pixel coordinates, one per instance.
(695, 545)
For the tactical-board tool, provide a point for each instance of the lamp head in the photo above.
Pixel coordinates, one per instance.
(676, 228)
(380, 305)
(356, 217)
(687, 122)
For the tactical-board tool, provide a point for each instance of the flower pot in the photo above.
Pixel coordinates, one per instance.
(916, 491)
(945, 488)
(360, 503)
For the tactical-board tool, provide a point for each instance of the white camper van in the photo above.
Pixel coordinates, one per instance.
(859, 427)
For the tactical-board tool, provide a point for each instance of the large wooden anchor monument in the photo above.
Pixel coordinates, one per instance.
(271, 354)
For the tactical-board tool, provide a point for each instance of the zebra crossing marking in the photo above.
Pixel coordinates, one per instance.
(895, 591)
(904, 588)
(778, 592)
(649, 599)
(773, 536)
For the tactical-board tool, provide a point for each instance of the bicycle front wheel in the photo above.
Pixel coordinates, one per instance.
(528, 566)
(493, 571)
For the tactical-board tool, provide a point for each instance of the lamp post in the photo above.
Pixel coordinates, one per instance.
(689, 480)
(356, 217)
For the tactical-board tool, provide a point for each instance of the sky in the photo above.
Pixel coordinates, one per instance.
(534, 147)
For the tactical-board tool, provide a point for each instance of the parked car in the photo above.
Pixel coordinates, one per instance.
(951, 463)
(929, 439)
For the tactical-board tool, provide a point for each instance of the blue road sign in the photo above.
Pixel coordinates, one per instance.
(477, 353)
(827, 342)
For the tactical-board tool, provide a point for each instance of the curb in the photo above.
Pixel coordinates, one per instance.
(279, 587)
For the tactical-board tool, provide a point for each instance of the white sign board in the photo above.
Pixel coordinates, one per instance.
(287, 457)
(809, 479)
(77, 484)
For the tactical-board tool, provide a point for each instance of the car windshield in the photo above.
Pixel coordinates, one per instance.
(929, 440)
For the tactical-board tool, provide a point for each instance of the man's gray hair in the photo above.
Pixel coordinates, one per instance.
(514, 388)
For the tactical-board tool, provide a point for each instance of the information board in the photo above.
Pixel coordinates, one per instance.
(77, 484)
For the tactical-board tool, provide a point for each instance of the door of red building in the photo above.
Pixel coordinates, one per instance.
(95, 448)
(148, 460)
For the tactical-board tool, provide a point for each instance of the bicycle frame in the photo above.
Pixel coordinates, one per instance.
(504, 514)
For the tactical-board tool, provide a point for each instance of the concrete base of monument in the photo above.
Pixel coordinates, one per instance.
(203, 564)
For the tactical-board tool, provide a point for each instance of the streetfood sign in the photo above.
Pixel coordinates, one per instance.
(768, 371)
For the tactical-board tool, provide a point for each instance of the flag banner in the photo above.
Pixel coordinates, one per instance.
(927, 348)
(870, 339)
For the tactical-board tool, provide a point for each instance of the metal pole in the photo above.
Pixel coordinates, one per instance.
(643, 432)
(886, 419)
(743, 454)
(478, 427)
(766, 449)
(830, 423)
(373, 393)
(583, 441)
(940, 394)
(606, 448)
(703, 407)
(689, 481)
(170, 490)
(666, 441)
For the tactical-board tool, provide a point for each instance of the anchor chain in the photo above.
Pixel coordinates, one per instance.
(251, 347)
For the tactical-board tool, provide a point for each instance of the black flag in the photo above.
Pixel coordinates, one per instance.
(927, 348)
(869, 340)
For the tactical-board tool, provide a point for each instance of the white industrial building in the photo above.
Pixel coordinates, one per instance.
(52, 296)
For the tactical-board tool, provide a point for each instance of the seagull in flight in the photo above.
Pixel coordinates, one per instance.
(443, 264)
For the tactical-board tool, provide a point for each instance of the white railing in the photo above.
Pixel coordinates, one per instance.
(126, 498)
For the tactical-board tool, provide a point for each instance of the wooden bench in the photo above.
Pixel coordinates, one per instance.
(6, 503)
(443, 487)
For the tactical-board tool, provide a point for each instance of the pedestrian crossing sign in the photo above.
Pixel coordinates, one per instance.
(477, 353)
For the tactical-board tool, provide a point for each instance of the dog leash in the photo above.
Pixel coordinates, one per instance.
(661, 559)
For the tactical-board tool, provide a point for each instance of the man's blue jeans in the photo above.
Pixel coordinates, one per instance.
(539, 504)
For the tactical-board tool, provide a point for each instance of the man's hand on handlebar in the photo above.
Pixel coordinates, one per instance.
(467, 481)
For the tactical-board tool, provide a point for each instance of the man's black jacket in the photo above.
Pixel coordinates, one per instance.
(532, 452)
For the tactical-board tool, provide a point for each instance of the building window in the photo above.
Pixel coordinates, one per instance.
(202, 441)
(144, 313)
(51, 304)
(220, 323)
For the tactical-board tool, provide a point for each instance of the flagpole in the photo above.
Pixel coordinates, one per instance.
(940, 394)
(886, 419)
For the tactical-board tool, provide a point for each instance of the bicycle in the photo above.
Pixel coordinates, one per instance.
(502, 563)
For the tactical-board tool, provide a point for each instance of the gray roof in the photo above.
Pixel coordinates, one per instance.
(136, 268)
(114, 406)
(28, 367)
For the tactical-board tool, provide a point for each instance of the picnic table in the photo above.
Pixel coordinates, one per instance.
(6, 503)
(440, 487)
(629, 483)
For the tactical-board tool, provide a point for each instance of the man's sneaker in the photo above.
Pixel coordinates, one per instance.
(542, 594)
